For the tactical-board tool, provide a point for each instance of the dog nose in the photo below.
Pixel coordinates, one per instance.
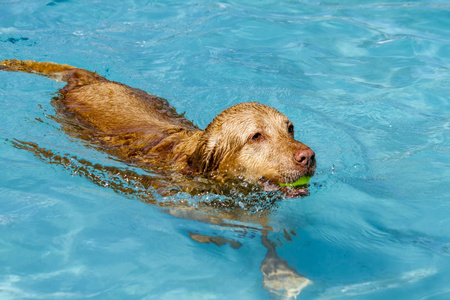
(305, 157)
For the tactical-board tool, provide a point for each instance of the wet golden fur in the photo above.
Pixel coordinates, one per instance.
(249, 141)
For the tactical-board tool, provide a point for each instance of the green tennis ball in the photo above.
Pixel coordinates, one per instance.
(302, 181)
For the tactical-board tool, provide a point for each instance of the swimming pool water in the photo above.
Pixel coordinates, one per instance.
(365, 83)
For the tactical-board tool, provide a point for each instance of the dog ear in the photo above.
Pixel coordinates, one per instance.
(206, 157)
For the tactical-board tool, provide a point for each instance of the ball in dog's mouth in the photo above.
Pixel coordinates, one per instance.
(301, 181)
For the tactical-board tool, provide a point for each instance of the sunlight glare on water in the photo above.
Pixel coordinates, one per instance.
(366, 85)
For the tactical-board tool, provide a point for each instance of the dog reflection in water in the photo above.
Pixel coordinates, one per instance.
(247, 150)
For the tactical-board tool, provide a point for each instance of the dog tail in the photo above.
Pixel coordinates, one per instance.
(48, 69)
(59, 72)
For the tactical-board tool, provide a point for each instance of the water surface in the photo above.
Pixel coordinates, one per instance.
(366, 85)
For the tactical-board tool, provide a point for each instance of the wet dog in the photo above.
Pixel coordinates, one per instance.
(250, 142)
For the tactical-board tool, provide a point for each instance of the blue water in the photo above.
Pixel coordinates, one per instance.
(365, 83)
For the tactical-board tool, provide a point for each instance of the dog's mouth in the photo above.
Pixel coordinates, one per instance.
(290, 177)
(290, 191)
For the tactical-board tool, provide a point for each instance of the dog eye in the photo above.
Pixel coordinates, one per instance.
(291, 128)
(257, 136)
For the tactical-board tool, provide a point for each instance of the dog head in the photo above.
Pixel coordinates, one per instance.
(254, 142)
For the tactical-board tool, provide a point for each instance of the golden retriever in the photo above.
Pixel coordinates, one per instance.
(250, 142)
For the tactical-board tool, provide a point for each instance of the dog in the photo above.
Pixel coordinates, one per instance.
(249, 142)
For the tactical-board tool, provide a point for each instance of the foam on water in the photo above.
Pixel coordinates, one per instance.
(366, 85)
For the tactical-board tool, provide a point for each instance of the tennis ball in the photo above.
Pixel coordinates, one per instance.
(302, 181)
